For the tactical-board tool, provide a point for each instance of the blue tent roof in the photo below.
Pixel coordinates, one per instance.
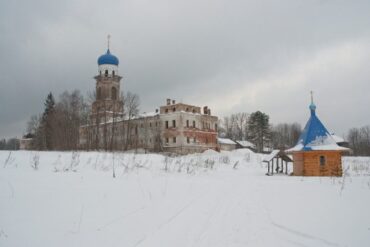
(108, 58)
(315, 136)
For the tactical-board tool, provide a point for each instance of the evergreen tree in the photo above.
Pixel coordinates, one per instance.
(259, 129)
(47, 122)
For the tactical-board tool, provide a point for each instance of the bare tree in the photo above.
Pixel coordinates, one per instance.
(359, 140)
(132, 109)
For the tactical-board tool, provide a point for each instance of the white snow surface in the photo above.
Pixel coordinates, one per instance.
(210, 199)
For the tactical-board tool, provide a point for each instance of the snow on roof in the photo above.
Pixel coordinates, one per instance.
(337, 139)
(245, 144)
(315, 136)
(148, 114)
(225, 141)
(270, 156)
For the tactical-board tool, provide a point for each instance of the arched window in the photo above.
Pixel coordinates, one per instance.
(114, 93)
(106, 72)
(98, 93)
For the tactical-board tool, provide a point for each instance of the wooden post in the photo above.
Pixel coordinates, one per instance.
(272, 170)
(282, 166)
(268, 167)
(286, 167)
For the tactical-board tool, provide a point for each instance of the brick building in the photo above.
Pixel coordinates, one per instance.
(174, 127)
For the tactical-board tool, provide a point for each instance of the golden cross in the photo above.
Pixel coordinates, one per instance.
(108, 40)
(311, 97)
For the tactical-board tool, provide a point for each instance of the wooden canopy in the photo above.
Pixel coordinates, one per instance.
(280, 157)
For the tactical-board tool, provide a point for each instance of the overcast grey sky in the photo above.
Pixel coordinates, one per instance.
(230, 55)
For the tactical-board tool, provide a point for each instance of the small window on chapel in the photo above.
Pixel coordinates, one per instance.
(322, 160)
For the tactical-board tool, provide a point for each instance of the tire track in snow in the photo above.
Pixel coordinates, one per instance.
(304, 235)
(120, 218)
(170, 219)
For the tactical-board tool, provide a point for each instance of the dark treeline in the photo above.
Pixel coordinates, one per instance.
(359, 140)
(10, 144)
(57, 128)
(255, 127)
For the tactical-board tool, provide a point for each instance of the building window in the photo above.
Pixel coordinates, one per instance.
(114, 93)
(188, 139)
(166, 111)
(174, 123)
(98, 94)
(216, 127)
(322, 160)
(106, 72)
(194, 140)
(174, 109)
(166, 124)
(150, 124)
(167, 140)
(187, 123)
(193, 110)
(174, 140)
(113, 73)
(187, 109)
(206, 140)
(193, 124)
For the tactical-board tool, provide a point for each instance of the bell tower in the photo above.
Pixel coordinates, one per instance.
(108, 103)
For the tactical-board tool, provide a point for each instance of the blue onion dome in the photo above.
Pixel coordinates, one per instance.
(108, 58)
(312, 107)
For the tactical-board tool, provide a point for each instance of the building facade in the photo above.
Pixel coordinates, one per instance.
(174, 127)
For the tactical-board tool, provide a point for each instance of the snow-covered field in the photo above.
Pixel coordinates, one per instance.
(72, 199)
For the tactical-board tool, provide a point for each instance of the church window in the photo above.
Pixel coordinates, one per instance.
(322, 160)
(98, 94)
(114, 93)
